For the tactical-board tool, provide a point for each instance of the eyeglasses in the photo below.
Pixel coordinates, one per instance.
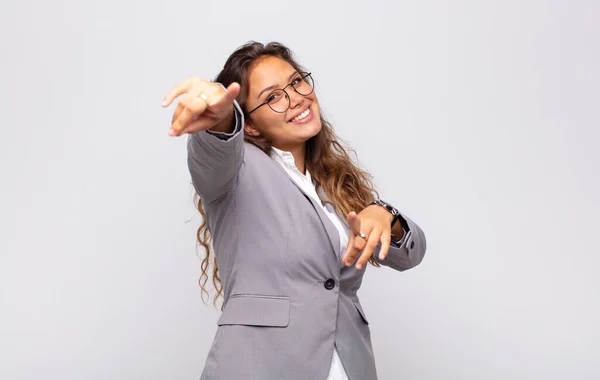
(279, 100)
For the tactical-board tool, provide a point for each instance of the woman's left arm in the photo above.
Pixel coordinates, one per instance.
(371, 234)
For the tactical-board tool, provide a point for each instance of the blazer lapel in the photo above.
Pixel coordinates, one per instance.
(334, 237)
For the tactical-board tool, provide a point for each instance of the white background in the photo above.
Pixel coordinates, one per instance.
(478, 119)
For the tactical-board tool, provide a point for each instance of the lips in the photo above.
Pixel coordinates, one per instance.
(302, 115)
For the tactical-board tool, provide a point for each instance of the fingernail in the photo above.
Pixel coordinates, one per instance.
(171, 132)
(164, 103)
(359, 266)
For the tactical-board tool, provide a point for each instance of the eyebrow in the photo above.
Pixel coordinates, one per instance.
(274, 86)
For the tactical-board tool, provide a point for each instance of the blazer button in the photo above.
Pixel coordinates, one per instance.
(329, 284)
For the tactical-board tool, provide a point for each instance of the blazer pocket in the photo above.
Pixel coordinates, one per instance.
(256, 310)
(361, 312)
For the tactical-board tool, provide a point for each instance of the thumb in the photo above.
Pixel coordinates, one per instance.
(232, 92)
(353, 221)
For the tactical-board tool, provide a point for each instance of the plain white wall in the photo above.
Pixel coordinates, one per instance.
(479, 119)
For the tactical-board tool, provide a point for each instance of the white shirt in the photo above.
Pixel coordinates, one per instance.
(304, 181)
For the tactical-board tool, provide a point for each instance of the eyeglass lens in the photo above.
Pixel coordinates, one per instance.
(279, 101)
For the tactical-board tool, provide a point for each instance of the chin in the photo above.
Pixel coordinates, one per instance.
(305, 131)
(311, 129)
(317, 129)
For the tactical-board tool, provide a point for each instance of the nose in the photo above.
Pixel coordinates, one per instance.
(295, 98)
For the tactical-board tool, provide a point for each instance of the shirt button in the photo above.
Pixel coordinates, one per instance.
(329, 284)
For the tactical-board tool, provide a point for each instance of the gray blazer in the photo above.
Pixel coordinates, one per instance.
(288, 297)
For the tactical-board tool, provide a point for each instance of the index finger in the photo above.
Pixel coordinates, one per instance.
(177, 90)
(370, 247)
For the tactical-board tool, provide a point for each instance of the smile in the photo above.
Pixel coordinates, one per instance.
(303, 117)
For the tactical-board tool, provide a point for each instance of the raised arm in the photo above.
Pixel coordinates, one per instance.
(209, 113)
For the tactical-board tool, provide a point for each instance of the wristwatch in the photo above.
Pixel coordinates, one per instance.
(395, 213)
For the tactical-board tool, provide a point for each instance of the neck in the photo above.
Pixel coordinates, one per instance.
(299, 154)
(299, 158)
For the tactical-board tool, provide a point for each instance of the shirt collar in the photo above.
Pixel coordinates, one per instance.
(287, 159)
(281, 156)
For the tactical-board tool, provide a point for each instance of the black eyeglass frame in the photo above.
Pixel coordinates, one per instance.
(303, 76)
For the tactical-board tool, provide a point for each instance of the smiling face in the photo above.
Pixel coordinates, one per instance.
(287, 130)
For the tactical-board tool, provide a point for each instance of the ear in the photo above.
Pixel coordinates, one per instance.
(250, 130)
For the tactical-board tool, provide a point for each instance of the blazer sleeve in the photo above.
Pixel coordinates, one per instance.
(215, 160)
(410, 252)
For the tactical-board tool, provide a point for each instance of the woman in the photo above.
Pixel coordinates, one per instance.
(293, 220)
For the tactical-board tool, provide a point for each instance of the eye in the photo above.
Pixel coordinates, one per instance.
(296, 80)
(273, 97)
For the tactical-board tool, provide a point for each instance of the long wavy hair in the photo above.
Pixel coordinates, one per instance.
(348, 187)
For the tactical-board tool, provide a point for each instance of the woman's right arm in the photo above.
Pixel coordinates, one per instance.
(209, 113)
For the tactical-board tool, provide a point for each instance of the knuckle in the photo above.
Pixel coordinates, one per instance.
(189, 106)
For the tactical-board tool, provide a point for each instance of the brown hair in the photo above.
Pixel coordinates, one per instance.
(348, 187)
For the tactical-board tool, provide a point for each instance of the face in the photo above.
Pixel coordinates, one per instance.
(288, 130)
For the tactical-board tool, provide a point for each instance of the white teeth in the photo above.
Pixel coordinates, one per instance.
(302, 115)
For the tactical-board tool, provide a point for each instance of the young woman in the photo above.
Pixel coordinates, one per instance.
(292, 219)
